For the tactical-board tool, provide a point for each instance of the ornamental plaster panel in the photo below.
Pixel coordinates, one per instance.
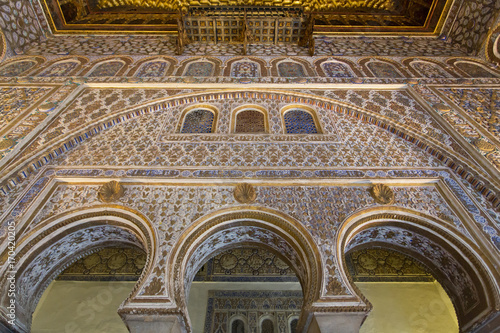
(473, 113)
(25, 109)
(320, 208)
(20, 25)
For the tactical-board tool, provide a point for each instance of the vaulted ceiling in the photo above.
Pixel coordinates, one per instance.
(417, 17)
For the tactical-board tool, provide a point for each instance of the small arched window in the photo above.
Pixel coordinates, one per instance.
(198, 121)
(238, 326)
(250, 121)
(17, 68)
(200, 68)
(291, 69)
(293, 325)
(474, 70)
(299, 122)
(109, 68)
(157, 68)
(336, 69)
(267, 326)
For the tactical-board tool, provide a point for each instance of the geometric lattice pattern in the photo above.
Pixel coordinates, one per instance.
(198, 121)
(250, 121)
(299, 122)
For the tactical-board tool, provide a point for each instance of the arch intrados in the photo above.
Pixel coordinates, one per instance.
(436, 231)
(249, 221)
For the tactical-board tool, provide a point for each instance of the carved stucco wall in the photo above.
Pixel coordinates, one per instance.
(129, 133)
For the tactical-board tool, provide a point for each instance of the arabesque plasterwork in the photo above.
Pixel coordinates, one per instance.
(400, 150)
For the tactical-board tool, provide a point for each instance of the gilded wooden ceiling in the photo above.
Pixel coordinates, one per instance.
(375, 17)
(378, 5)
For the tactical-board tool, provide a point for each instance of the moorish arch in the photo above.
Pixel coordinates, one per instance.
(459, 265)
(56, 243)
(259, 227)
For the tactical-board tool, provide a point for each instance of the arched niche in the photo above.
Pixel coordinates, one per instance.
(382, 67)
(60, 241)
(200, 66)
(473, 69)
(245, 67)
(20, 66)
(454, 261)
(65, 66)
(98, 68)
(248, 227)
(169, 64)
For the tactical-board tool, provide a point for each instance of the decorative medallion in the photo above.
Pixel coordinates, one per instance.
(484, 145)
(382, 194)
(6, 144)
(111, 191)
(245, 193)
(442, 107)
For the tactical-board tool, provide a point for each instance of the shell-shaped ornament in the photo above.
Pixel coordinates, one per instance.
(111, 191)
(382, 194)
(245, 193)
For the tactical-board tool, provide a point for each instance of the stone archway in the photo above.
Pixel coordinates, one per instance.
(247, 227)
(61, 241)
(457, 264)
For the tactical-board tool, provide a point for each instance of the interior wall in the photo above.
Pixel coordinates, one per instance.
(81, 307)
(90, 307)
(198, 296)
(408, 307)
